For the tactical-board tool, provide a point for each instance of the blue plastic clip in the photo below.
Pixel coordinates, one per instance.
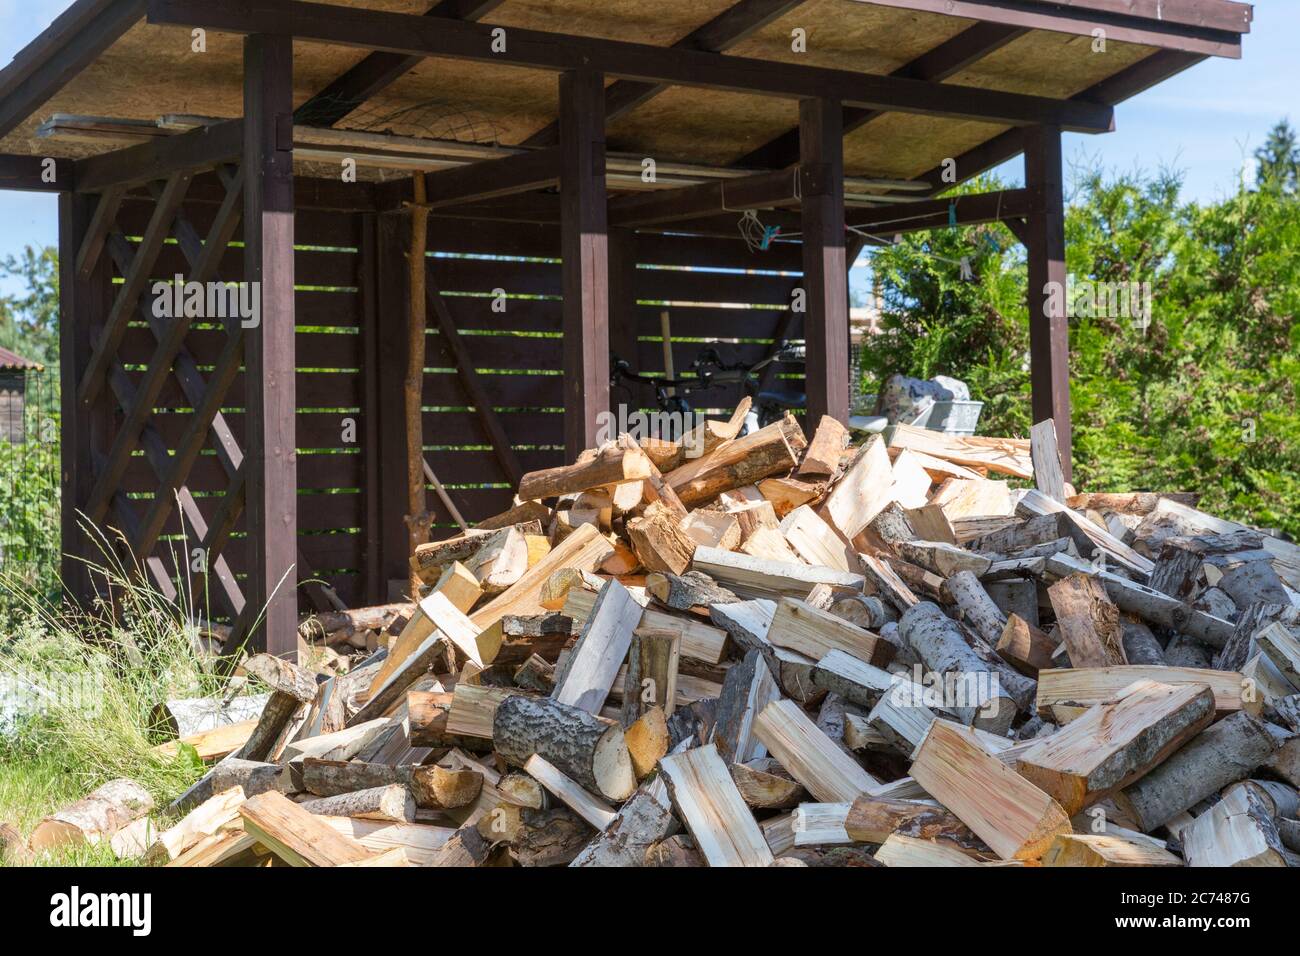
(769, 233)
(952, 214)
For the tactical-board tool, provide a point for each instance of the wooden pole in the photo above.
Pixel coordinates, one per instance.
(585, 251)
(83, 303)
(1049, 333)
(825, 267)
(417, 514)
(271, 498)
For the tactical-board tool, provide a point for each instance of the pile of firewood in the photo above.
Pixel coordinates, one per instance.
(924, 650)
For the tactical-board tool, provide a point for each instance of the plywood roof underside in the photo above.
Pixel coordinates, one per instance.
(151, 71)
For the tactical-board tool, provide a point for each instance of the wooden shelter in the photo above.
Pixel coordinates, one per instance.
(582, 163)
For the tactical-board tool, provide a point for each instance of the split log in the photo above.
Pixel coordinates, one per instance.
(1095, 849)
(647, 740)
(420, 662)
(659, 540)
(784, 495)
(747, 689)
(1283, 650)
(881, 578)
(584, 550)
(752, 577)
(929, 523)
(1007, 456)
(712, 529)
(712, 809)
(864, 490)
(1064, 694)
(1222, 754)
(297, 836)
(611, 465)
(589, 673)
(687, 591)
(1025, 647)
(591, 809)
(803, 628)
(821, 459)
(770, 450)
(1088, 621)
(875, 819)
(851, 678)
(93, 819)
(651, 679)
(1149, 604)
(817, 542)
(291, 689)
(1239, 830)
(1016, 819)
(1046, 459)
(646, 819)
(904, 851)
(1111, 745)
(466, 848)
(765, 785)
(584, 747)
(699, 641)
(676, 851)
(810, 756)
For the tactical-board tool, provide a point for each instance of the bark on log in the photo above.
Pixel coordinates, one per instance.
(582, 746)
(1220, 755)
(94, 818)
(940, 644)
(393, 803)
(1140, 645)
(682, 592)
(976, 607)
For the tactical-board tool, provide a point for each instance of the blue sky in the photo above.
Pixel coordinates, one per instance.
(1206, 121)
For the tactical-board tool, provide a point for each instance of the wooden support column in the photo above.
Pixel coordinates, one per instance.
(584, 248)
(825, 266)
(271, 472)
(1049, 334)
(376, 587)
(84, 301)
(392, 235)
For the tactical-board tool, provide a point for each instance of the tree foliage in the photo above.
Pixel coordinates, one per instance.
(1203, 399)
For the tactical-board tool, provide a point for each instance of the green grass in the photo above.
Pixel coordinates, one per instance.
(104, 678)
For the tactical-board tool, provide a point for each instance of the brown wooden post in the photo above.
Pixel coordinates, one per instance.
(584, 248)
(376, 587)
(1049, 334)
(392, 235)
(825, 269)
(271, 507)
(83, 304)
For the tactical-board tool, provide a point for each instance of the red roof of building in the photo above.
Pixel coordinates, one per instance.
(12, 360)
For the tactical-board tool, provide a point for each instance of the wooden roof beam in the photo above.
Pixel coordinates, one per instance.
(726, 29)
(70, 44)
(762, 190)
(204, 146)
(945, 60)
(523, 172)
(379, 71)
(1207, 27)
(1006, 145)
(31, 174)
(414, 35)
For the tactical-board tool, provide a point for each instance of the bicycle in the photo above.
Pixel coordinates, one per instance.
(672, 395)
